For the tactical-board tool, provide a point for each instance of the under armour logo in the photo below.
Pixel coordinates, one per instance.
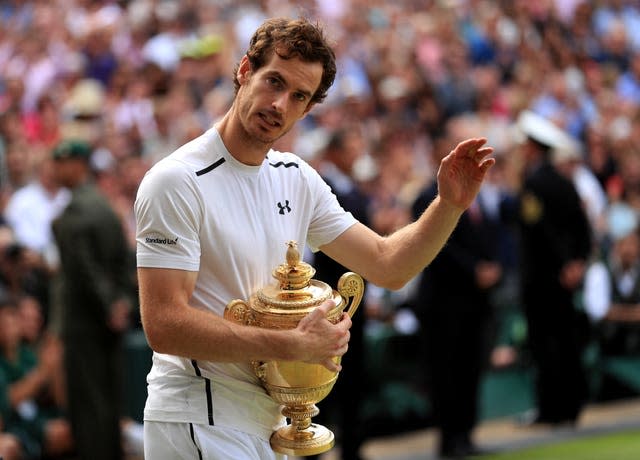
(284, 207)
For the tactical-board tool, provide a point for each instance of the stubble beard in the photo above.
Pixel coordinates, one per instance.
(252, 132)
(252, 135)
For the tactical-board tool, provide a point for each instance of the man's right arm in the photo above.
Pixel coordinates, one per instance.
(174, 327)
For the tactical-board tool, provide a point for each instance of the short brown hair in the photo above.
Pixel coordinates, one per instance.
(291, 38)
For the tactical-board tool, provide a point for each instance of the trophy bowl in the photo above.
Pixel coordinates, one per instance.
(296, 385)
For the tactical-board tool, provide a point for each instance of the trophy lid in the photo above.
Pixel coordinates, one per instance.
(295, 288)
(294, 273)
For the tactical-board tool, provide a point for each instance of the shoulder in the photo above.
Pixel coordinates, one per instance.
(547, 181)
(190, 159)
(170, 182)
(284, 160)
(168, 172)
(290, 166)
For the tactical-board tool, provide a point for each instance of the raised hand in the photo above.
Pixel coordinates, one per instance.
(462, 171)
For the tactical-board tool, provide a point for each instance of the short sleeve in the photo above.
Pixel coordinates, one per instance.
(168, 211)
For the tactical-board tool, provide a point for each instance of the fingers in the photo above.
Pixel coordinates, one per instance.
(330, 364)
(346, 320)
(486, 164)
(473, 148)
(330, 340)
(321, 311)
(326, 306)
(342, 348)
(483, 152)
(470, 146)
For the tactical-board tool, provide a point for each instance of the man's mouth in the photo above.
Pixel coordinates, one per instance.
(269, 120)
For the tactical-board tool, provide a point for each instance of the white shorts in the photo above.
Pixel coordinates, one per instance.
(188, 441)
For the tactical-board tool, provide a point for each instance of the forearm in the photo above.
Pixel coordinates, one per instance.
(202, 335)
(27, 387)
(173, 326)
(413, 247)
(394, 260)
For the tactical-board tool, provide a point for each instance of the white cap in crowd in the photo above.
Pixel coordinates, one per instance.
(546, 132)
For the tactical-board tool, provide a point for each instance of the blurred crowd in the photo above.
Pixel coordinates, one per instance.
(136, 79)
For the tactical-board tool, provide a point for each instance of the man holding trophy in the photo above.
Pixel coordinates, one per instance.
(212, 220)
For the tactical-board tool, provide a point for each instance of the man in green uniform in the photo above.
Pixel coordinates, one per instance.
(95, 300)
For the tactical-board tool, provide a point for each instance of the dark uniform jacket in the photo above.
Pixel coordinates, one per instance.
(95, 262)
(554, 229)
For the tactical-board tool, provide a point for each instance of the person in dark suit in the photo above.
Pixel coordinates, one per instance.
(454, 308)
(344, 403)
(95, 298)
(556, 242)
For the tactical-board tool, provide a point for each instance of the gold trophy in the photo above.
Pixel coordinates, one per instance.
(297, 385)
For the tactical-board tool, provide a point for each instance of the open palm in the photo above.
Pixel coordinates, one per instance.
(462, 171)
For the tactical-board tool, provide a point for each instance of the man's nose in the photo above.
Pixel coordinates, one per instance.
(279, 104)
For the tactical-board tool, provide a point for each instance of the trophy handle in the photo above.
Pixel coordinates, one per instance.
(238, 311)
(351, 285)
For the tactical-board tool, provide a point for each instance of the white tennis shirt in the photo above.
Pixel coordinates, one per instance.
(201, 210)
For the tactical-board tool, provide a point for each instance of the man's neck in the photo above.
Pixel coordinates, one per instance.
(238, 142)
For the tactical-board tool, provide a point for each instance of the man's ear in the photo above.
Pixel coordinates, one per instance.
(244, 70)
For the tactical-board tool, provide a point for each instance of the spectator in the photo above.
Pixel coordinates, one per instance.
(31, 209)
(455, 314)
(555, 245)
(23, 271)
(36, 334)
(95, 297)
(29, 377)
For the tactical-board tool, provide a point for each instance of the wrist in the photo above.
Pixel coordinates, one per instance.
(447, 207)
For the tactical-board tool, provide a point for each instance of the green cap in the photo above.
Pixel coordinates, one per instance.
(71, 148)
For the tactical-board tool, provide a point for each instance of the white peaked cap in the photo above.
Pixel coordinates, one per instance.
(546, 132)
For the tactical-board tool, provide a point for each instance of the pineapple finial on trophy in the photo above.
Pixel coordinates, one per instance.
(293, 255)
(294, 274)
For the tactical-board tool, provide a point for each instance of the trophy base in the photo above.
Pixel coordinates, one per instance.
(313, 440)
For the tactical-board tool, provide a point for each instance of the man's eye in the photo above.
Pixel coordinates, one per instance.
(300, 97)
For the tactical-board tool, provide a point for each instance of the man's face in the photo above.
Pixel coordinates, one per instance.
(273, 98)
(65, 170)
